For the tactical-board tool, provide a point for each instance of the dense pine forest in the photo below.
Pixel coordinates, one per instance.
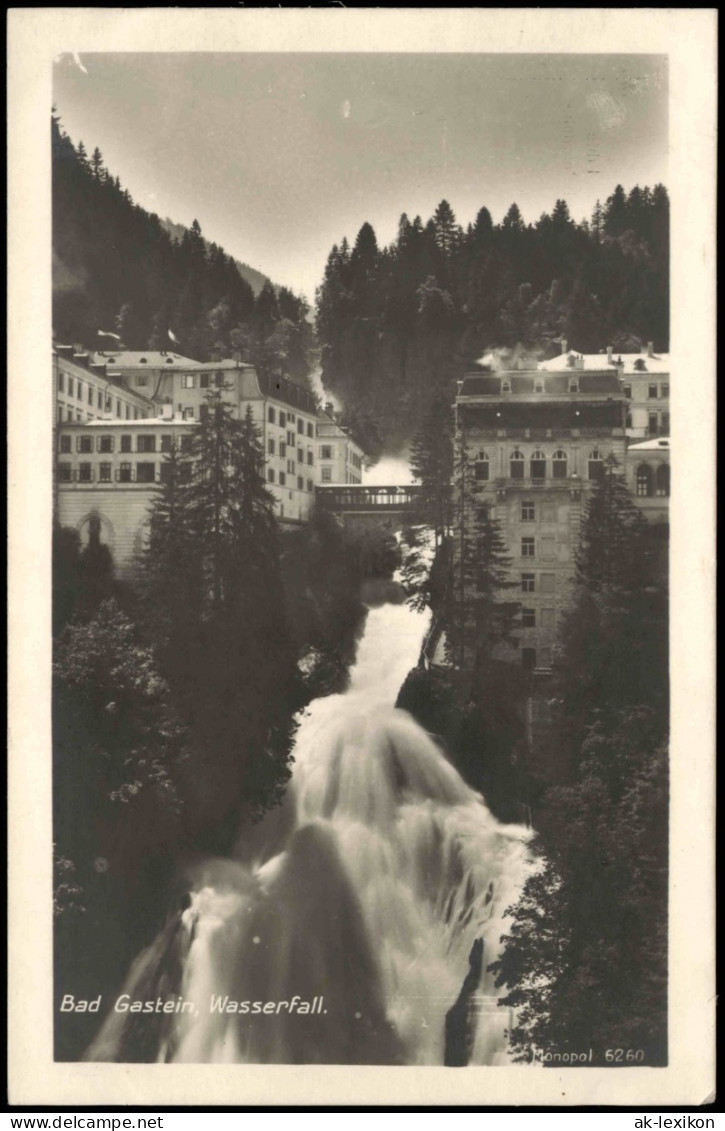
(116, 268)
(397, 324)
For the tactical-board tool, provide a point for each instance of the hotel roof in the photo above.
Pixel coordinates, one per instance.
(600, 384)
(145, 359)
(625, 364)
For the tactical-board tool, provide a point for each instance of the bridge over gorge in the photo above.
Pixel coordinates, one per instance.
(364, 507)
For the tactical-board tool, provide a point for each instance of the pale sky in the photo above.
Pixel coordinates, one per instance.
(279, 156)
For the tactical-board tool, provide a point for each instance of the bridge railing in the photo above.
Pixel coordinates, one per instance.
(359, 497)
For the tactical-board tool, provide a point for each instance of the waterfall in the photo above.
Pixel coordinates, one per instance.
(361, 898)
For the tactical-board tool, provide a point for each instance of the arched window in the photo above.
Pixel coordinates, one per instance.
(644, 481)
(559, 465)
(516, 465)
(481, 466)
(662, 480)
(596, 465)
(538, 465)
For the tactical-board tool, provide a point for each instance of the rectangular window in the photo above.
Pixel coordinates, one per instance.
(309, 459)
(291, 417)
(90, 394)
(270, 415)
(270, 445)
(189, 413)
(665, 423)
(481, 469)
(167, 443)
(310, 431)
(188, 381)
(186, 442)
(118, 408)
(300, 455)
(326, 451)
(291, 439)
(282, 419)
(665, 391)
(327, 475)
(528, 582)
(64, 472)
(125, 474)
(547, 582)
(145, 472)
(145, 443)
(300, 483)
(61, 383)
(99, 399)
(270, 474)
(282, 448)
(142, 379)
(84, 444)
(128, 412)
(652, 427)
(301, 427)
(203, 380)
(548, 618)
(528, 618)
(125, 443)
(548, 548)
(70, 387)
(652, 392)
(291, 466)
(164, 472)
(310, 485)
(528, 659)
(85, 473)
(79, 393)
(105, 443)
(104, 472)
(135, 414)
(65, 444)
(528, 512)
(60, 414)
(528, 547)
(282, 479)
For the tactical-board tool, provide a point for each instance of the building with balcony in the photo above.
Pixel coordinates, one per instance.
(645, 382)
(537, 442)
(125, 407)
(648, 478)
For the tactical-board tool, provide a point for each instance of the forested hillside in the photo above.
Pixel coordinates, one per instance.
(116, 268)
(255, 278)
(399, 323)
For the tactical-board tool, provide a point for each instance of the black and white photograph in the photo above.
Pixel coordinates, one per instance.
(359, 477)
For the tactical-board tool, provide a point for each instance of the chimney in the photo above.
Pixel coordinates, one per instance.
(610, 350)
(564, 345)
(330, 409)
(650, 349)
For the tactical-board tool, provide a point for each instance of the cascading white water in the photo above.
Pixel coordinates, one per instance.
(367, 892)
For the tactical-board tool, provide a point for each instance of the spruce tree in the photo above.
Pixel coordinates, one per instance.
(431, 465)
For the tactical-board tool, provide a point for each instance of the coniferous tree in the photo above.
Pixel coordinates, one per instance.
(478, 618)
(431, 465)
(586, 957)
